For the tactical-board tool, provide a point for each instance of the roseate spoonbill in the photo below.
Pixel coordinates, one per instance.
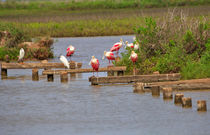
(70, 51)
(136, 46)
(64, 61)
(134, 58)
(129, 45)
(116, 47)
(95, 64)
(21, 55)
(109, 56)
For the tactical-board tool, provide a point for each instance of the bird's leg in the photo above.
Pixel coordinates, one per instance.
(134, 69)
(97, 73)
(117, 53)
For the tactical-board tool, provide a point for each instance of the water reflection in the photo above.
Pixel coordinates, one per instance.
(76, 107)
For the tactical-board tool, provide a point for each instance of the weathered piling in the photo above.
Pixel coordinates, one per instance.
(50, 77)
(35, 74)
(155, 90)
(7, 58)
(3, 72)
(186, 102)
(178, 98)
(138, 87)
(201, 105)
(64, 77)
(167, 93)
(72, 64)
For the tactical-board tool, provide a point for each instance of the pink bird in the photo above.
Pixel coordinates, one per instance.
(95, 64)
(116, 47)
(109, 56)
(70, 51)
(129, 45)
(134, 57)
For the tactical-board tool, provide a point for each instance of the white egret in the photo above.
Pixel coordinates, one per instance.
(21, 55)
(64, 61)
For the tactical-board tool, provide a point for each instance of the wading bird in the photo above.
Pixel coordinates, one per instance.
(64, 61)
(21, 55)
(116, 47)
(95, 64)
(129, 45)
(136, 46)
(70, 51)
(134, 58)
(109, 56)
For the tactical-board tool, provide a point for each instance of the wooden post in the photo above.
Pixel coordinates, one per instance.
(72, 64)
(120, 73)
(138, 87)
(64, 77)
(178, 98)
(167, 93)
(35, 74)
(201, 104)
(3, 72)
(155, 90)
(186, 102)
(73, 75)
(50, 77)
(7, 58)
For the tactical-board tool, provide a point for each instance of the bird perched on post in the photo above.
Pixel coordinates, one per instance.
(109, 56)
(64, 61)
(116, 47)
(95, 64)
(70, 51)
(21, 55)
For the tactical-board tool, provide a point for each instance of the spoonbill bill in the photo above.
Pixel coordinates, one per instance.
(109, 56)
(64, 61)
(21, 55)
(70, 51)
(95, 64)
(116, 47)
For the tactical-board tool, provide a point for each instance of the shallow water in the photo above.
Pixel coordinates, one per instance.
(50, 108)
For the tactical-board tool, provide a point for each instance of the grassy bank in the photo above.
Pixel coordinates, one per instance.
(172, 44)
(97, 4)
(88, 23)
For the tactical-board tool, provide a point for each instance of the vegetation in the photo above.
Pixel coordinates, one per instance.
(96, 4)
(175, 44)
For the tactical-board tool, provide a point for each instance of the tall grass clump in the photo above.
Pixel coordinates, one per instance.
(172, 44)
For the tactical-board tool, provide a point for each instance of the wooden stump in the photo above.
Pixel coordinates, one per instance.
(155, 90)
(72, 65)
(78, 65)
(186, 102)
(178, 98)
(64, 77)
(50, 77)
(3, 72)
(167, 93)
(7, 58)
(138, 87)
(35, 74)
(201, 105)
(73, 75)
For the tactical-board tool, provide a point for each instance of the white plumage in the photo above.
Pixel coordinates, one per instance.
(21, 55)
(64, 61)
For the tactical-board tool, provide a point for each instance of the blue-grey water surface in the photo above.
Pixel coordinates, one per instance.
(76, 108)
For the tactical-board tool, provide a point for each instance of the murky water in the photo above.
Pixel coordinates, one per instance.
(53, 108)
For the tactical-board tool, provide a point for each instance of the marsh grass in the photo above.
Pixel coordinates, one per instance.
(174, 43)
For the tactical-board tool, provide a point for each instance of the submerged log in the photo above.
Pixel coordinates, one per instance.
(32, 65)
(136, 78)
(103, 69)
